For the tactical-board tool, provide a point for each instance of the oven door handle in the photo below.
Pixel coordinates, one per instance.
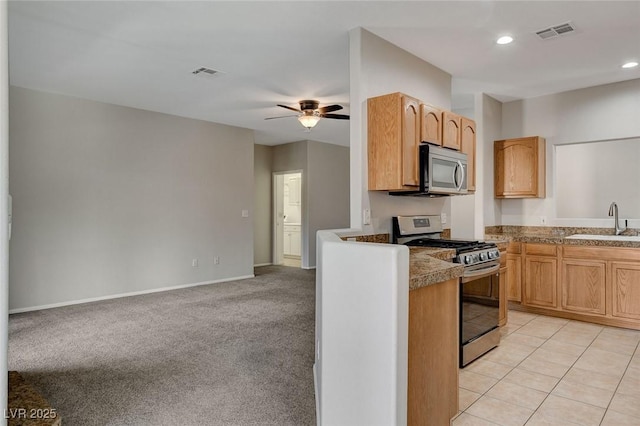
(480, 273)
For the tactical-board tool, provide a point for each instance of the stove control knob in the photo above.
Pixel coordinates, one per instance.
(467, 259)
(483, 256)
(492, 255)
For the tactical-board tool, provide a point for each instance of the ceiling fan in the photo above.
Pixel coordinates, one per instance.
(310, 113)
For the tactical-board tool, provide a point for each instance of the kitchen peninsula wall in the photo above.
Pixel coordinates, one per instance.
(606, 112)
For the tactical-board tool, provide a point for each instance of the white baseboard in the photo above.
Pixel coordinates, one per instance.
(117, 296)
(262, 264)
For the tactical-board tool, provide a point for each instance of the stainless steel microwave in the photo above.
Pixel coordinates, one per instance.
(442, 172)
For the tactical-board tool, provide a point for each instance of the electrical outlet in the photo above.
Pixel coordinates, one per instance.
(443, 218)
(194, 263)
(216, 260)
(245, 213)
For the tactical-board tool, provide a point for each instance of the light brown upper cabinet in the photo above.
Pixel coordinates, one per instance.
(468, 146)
(519, 168)
(393, 126)
(430, 124)
(451, 134)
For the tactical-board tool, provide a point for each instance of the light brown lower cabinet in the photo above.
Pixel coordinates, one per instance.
(502, 289)
(514, 277)
(540, 284)
(625, 281)
(502, 315)
(594, 284)
(583, 286)
(432, 394)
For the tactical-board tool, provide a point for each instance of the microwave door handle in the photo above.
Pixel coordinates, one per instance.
(460, 167)
(455, 176)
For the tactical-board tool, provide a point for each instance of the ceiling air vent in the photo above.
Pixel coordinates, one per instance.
(555, 31)
(205, 72)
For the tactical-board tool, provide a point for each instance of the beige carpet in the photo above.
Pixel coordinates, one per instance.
(237, 353)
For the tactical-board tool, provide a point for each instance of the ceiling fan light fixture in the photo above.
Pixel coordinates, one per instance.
(309, 120)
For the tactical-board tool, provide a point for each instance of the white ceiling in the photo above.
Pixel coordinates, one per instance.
(142, 54)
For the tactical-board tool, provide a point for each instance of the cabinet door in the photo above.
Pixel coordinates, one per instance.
(540, 283)
(295, 243)
(451, 130)
(410, 141)
(468, 146)
(502, 297)
(519, 168)
(287, 243)
(430, 124)
(433, 357)
(583, 286)
(384, 142)
(625, 280)
(514, 277)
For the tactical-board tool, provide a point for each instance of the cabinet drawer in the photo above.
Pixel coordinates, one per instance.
(541, 249)
(514, 247)
(292, 228)
(601, 253)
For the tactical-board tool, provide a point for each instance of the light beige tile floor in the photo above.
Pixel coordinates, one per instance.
(552, 371)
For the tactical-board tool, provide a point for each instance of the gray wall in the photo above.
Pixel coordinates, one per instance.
(110, 200)
(597, 113)
(378, 67)
(263, 206)
(324, 191)
(491, 126)
(328, 189)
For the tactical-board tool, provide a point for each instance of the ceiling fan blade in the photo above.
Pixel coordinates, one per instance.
(288, 107)
(282, 116)
(329, 108)
(337, 116)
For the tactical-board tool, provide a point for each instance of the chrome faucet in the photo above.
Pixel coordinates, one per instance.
(613, 211)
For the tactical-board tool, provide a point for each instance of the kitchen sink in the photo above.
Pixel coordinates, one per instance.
(604, 237)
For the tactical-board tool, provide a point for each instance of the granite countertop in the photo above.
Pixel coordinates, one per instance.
(558, 235)
(426, 266)
(500, 242)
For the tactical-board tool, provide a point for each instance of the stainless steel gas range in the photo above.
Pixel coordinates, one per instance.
(479, 284)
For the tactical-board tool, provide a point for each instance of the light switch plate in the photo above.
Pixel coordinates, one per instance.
(245, 213)
(366, 217)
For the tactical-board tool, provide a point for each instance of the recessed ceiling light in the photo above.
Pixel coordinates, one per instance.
(504, 40)
(630, 65)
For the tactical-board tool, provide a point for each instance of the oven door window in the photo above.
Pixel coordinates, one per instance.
(480, 307)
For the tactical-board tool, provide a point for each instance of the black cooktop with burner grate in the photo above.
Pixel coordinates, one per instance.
(424, 231)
